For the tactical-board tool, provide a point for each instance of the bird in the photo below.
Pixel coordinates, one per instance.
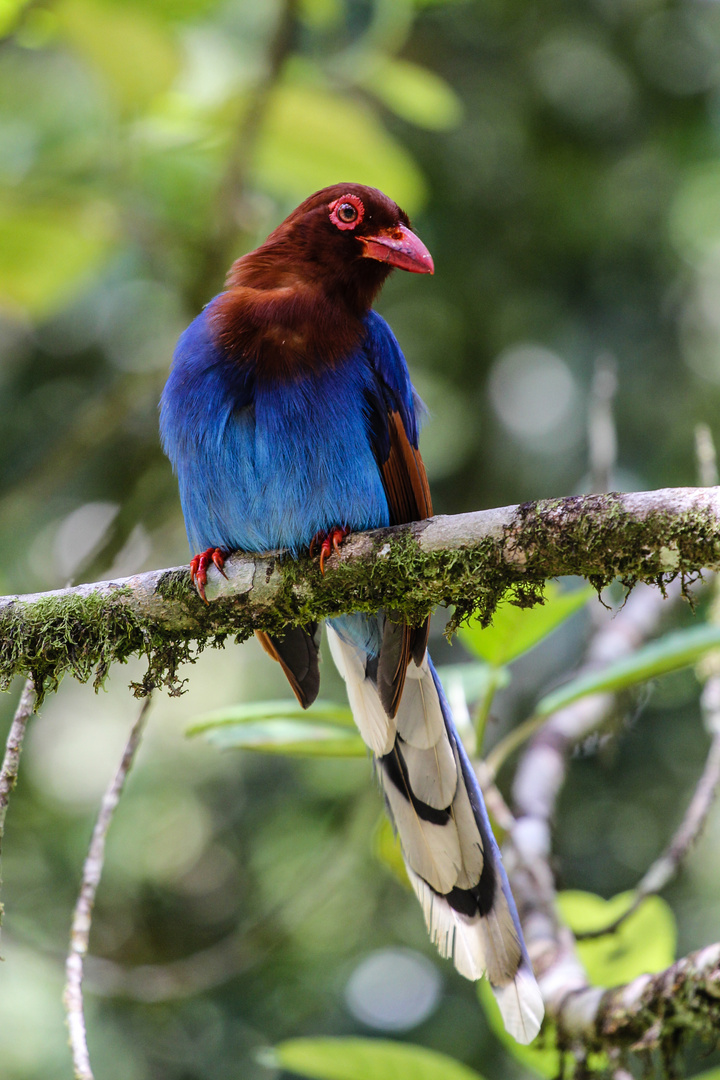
(290, 420)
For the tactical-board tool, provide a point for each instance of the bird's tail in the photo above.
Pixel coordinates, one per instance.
(435, 802)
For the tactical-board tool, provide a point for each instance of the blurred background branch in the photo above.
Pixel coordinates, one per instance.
(13, 748)
(82, 915)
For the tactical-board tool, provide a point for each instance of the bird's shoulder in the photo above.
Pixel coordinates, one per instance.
(396, 391)
(205, 385)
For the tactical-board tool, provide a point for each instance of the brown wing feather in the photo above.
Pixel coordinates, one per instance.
(297, 653)
(408, 493)
(404, 477)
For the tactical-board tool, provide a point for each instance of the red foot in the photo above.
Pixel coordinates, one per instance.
(199, 565)
(327, 542)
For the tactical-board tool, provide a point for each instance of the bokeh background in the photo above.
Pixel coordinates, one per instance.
(562, 163)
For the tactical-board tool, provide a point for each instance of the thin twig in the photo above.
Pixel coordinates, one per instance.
(13, 748)
(82, 916)
(667, 865)
(511, 742)
(602, 437)
(11, 760)
(706, 455)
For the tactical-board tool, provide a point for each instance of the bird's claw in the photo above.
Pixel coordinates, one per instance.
(199, 567)
(328, 542)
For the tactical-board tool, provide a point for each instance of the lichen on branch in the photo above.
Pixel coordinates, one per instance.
(471, 561)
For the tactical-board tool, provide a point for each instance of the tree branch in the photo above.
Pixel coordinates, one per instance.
(683, 999)
(11, 760)
(82, 916)
(470, 560)
(13, 748)
(652, 1009)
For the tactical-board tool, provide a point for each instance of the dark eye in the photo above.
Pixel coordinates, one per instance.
(347, 212)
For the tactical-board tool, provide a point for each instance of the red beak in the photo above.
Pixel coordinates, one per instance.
(400, 247)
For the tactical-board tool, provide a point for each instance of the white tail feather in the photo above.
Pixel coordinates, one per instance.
(471, 846)
(433, 773)
(419, 717)
(457, 936)
(465, 939)
(374, 725)
(431, 850)
(521, 1005)
(502, 943)
(450, 854)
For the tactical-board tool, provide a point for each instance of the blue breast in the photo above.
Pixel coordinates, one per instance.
(265, 465)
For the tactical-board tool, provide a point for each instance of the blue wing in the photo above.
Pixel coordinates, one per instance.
(395, 412)
(264, 464)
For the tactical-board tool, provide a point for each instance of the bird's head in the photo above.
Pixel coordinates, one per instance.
(346, 223)
(303, 293)
(347, 235)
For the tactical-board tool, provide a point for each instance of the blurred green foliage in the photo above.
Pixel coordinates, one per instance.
(645, 942)
(514, 630)
(356, 1059)
(283, 727)
(562, 162)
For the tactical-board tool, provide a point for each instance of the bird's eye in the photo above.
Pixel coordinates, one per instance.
(347, 211)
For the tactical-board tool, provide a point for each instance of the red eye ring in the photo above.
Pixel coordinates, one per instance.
(347, 212)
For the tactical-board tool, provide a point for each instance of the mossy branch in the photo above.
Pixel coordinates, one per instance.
(470, 561)
(650, 1011)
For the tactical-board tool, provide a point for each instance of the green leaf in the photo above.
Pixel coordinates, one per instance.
(366, 1059)
(321, 13)
(645, 942)
(515, 630)
(289, 737)
(673, 651)
(312, 137)
(321, 711)
(283, 727)
(542, 1056)
(10, 12)
(48, 251)
(695, 214)
(136, 54)
(415, 93)
(386, 846)
(170, 10)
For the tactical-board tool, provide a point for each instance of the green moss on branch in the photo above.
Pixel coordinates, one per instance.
(471, 562)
